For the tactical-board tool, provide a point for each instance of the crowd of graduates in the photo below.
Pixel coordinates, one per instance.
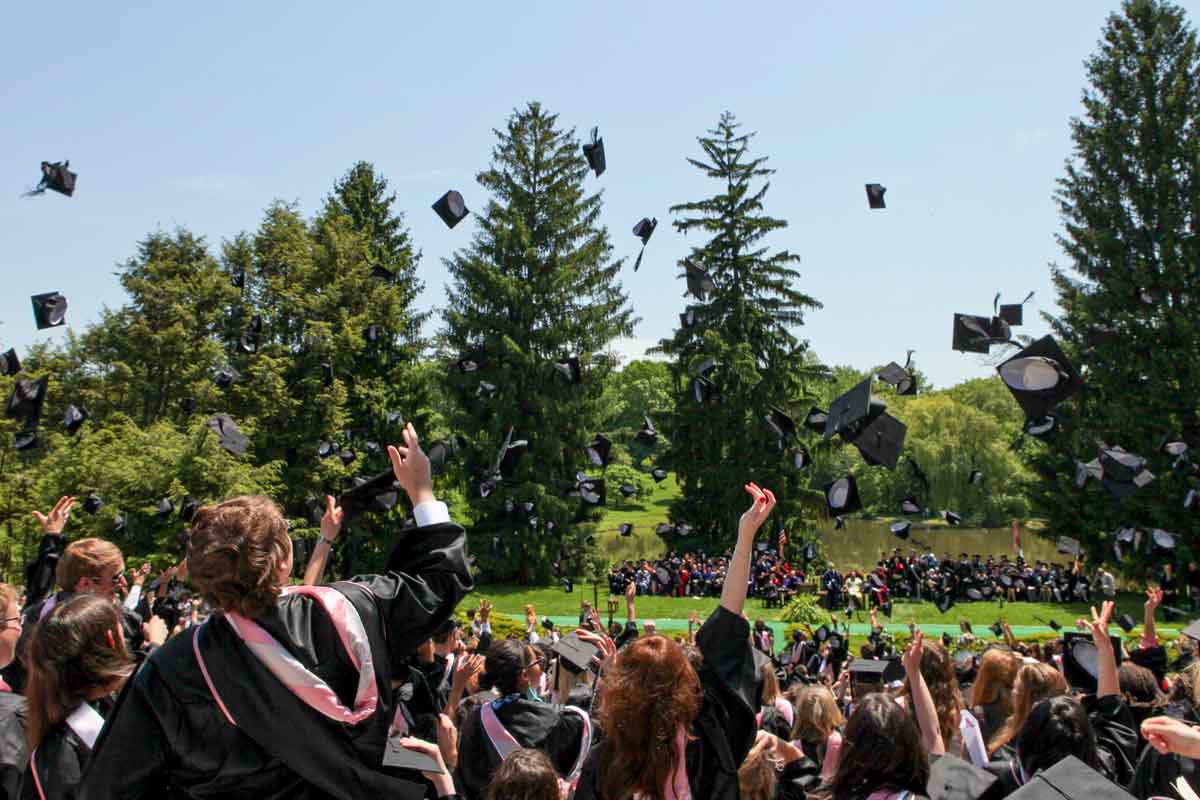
(222, 678)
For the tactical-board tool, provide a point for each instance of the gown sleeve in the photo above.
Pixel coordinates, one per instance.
(39, 574)
(59, 761)
(729, 676)
(1116, 737)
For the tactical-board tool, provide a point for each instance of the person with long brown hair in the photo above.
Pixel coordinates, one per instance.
(669, 732)
(991, 695)
(77, 661)
(937, 668)
(285, 691)
(1034, 682)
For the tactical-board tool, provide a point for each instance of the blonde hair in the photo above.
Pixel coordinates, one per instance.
(756, 777)
(85, 558)
(1034, 682)
(817, 714)
(770, 684)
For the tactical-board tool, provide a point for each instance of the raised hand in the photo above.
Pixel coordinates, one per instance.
(761, 507)
(139, 577)
(605, 645)
(331, 523)
(485, 609)
(1154, 598)
(56, 520)
(466, 674)
(155, 631)
(411, 467)
(913, 653)
(1099, 625)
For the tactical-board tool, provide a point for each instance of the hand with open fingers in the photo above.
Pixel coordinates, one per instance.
(1170, 735)
(1154, 598)
(913, 653)
(605, 645)
(411, 467)
(1099, 625)
(630, 592)
(331, 523)
(56, 520)
(143, 571)
(467, 672)
(155, 630)
(760, 508)
(485, 609)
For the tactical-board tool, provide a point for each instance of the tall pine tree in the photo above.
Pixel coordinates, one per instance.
(536, 286)
(1130, 293)
(747, 328)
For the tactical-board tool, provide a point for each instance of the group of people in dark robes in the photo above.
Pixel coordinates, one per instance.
(223, 678)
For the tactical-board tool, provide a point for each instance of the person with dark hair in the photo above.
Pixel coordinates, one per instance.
(284, 692)
(13, 748)
(77, 661)
(526, 774)
(881, 749)
(669, 732)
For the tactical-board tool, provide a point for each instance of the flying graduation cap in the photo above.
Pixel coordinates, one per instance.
(27, 399)
(570, 369)
(451, 208)
(875, 193)
(951, 518)
(841, 496)
(626, 529)
(900, 377)
(699, 283)
(659, 474)
(647, 434)
(377, 493)
(1122, 473)
(49, 310)
(228, 436)
(10, 363)
(1040, 377)
(643, 230)
(781, 425)
(628, 490)
(816, 419)
(92, 504)
(1013, 313)
(975, 478)
(591, 490)
(863, 421)
(598, 450)
(226, 377)
(73, 419)
(56, 176)
(165, 509)
(593, 151)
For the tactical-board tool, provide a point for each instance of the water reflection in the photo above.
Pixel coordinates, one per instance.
(858, 545)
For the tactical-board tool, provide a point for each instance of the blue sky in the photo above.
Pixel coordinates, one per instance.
(200, 115)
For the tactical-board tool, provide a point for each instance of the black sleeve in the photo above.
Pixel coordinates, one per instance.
(427, 575)
(39, 575)
(562, 745)
(729, 675)
(629, 633)
(130, 757)
(1116, 737)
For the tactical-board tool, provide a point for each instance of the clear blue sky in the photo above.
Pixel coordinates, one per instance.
(199, 115)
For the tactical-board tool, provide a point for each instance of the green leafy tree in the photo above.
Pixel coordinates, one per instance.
(536, 286)
(1130, 291)
(748, 327)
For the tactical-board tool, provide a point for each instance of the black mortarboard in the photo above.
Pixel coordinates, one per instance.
(326, 449)
(658, 474)
(871, 670)
(395, 419)
(1122, 472)
(910, 506)
(901, 529)
(1070, 779)
(1013, 314)
(396, 756)
(647, 434)
(73, 419)
(628, 489)
(951, 518)
(801, 458)
(1162, 542)
(1040, 377)
(509, 455)
(49, 310)
(945, 602)
(997, 629)
(10, 364)
(848, 409)
(975, 478)
(574, 654)
(93, 503)
(441, 452)
(808, 552)
(1085, 472)
(1191, 500)
(567, 583)
(593, 151)
(643, 230)
(228, 435)
(377, 493)
(118, 523)
(875, 193)
(382, 274)
(699, 284)
(1043, 427)
(1127, 622)
(951, 778)
(165, 509)
(238, 278)
(56, 175)
(703, 390)
(27, 399)
(625, 529)
(1173, 447)
(466, 365)
(226, 377)
(570, 369)
(781, 424)
(841, 496)
(881, 440)
(816, 420)
(451, 208)
(687, 318)
(347, 456)
(25, 440)
(598, 450)
(372, 333)
(972, 334)
(1068, 546)
(1081, 659)
(188, 509)
(1054, 625)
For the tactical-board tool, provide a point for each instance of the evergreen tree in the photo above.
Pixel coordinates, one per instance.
(536, 286)
(1129, 202)
(747, 327)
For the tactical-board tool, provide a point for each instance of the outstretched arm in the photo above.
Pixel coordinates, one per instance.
(1106, 682)
(733, 593)
(926, 711)
(1154, 598)
(331, 526)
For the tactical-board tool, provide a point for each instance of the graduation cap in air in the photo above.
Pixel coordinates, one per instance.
(485, 389)
(841, 496)
(248, 342)
(226, 377)
(901, 529)
(441, 452)
(73, 419)
(975, 478)
(625, 529)
(848, 409)
(900, 377)
(816, 420)
(647, 434)
(1040, 377)
(10, 364)
(1043, 428)
(347, 456)
(703, 390)
(1176, 448)
(801, 458)
(382, 274)
(659, 474)
(687, 318)
(118, 523)
(910, 506)
(1085, 472)
(188, 509)
(1161, 542)
(567, 583)
(1068, 546)
(92, 504)
(49, 310)
(643, 230)
(945, 602)
(664, 529)
(372, 333)
(1127, 622)
(56, 176)
(839, 523)
(509, 455)
(229, 437)
(27, 399)
(593, 151)
(591, 490)
(699, 284)
(880, 441)
(808, 552)
(972, 334)
(451, 208)
(25, 440)
(598, 450)
(781, 425)
(1191, 500)
(378, 493)
(1122, 473)
(466, 365)
(951, 518)
(326, 449)
(1013, 313)
(570, 370)
(875, 193)
(1054, 626)
(165, 509)
(628, 490)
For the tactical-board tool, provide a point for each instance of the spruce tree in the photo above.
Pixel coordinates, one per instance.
(747, 328)
(1130, 290)
(536, 286)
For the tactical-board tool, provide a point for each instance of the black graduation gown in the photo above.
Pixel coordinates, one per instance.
(168, 738)
(60, 760)
(533, 724)
(725, 728)
(1156, 772)
(14, 754)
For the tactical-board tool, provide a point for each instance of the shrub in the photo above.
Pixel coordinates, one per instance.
(805, 608)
